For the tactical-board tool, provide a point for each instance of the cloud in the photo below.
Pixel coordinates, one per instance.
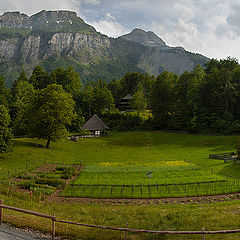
(92, 2)
(108, 25)
(234, 18)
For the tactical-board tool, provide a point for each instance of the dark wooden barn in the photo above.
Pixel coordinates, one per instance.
(124, 104)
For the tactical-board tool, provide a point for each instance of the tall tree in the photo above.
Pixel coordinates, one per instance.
(5, 131)
(139, 101)
(40, 78)
(3, 93)
(102, 99)
(188, 105)
(22, 77)
(162, 101)
(69, 79)
(23, 93)
(88, 97)
(50, 111)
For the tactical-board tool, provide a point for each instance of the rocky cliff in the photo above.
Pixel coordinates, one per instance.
(61, 38)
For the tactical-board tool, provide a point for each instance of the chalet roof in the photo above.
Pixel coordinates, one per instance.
(94, 124)
(128, 97)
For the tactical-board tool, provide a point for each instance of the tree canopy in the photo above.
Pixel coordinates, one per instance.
(50, 111)
(5, 131)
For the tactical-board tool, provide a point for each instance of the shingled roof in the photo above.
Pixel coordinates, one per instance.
(128, 97)
(94, 124)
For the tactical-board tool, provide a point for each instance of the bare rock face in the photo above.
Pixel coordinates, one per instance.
(17, 19)
(45, 17)
(8, 48)
(74, 42)
(29, 44)
(13, 19)
(30, 49)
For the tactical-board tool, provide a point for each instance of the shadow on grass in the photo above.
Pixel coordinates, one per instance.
(27, 144)
(152, 139)
(231, 170)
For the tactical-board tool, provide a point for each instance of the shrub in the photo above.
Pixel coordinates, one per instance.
(26, 176)
(60, 168)
(26, 185)
(68, 173)
(42, 190)
(51, 182)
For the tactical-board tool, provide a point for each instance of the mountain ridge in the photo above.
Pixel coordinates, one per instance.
(61, 38)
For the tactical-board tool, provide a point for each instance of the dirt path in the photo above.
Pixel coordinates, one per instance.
(155, 201)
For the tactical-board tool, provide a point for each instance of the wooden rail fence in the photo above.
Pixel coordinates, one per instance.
(224, 156)
(203, 232)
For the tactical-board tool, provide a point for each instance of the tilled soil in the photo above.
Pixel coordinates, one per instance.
(155, 201)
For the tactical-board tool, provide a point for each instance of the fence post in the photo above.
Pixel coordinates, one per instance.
(203, 235)
(1, 211)
(126, 232)
(53, 226)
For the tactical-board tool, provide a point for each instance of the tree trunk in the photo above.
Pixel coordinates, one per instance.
(48, 142)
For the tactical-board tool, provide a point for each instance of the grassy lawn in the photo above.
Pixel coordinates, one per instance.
(180, 166)
(116, 165)
(212, 216)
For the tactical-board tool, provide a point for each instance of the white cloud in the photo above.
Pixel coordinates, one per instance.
(92, 2)
(109, 26)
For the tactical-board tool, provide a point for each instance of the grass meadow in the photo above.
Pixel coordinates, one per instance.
(115, 166)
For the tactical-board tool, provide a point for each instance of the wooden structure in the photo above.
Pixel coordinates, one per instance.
(225, 156)
(95, 125)
(124, 104)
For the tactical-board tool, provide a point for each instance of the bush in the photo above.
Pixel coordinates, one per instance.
(26, 176)
(51, 182)
(60, 168)
(47, 191)
(126, 121)
(26, 185)
(68, 173)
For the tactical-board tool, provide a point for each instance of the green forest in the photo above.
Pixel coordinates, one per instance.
(50, 105)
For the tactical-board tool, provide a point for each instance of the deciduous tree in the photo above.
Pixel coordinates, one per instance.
(50, 111)
(5, 131)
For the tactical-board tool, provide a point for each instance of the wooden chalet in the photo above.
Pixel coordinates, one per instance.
(95, 125)
(124, 104)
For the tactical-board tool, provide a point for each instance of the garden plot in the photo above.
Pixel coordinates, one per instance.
(47, 178)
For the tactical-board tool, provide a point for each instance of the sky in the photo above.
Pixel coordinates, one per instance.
(209, 27)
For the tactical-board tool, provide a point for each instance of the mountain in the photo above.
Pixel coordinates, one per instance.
(61, 38)
(149, 39)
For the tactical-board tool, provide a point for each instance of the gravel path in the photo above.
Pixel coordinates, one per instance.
(11, 233)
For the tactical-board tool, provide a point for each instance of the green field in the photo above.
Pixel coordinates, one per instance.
(115, 166)
(180, 166)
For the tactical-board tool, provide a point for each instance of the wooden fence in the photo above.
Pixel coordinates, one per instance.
(224, 156)
(54, 220)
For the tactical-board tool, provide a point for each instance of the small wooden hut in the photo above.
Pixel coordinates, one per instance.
(95, 125)
(124, 104)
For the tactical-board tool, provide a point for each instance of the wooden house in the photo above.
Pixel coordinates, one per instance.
(124, 104)
(95, 125)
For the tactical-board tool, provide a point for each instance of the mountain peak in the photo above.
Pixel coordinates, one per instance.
(55, 15)
(145, 38)
(48, 21)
